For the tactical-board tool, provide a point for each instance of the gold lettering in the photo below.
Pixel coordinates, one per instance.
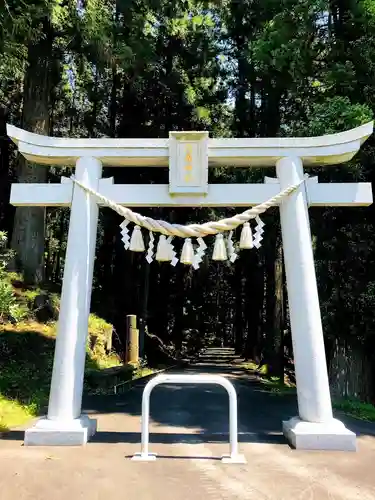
(188, 160)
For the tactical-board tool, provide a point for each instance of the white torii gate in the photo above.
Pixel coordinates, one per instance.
(315, 427)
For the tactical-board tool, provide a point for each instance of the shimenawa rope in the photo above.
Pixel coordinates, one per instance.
(191, 230)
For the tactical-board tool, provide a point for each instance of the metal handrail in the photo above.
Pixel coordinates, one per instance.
(234, 456)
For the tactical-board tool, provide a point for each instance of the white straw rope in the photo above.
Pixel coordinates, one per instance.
(191, 230)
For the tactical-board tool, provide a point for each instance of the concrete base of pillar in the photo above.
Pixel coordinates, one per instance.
(59, 433)
(315, 436)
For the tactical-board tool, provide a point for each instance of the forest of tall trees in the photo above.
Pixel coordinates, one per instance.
(237, 68)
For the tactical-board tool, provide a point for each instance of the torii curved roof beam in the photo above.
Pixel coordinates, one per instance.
(324, 150)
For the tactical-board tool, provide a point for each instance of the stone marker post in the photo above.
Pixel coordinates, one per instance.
(132, 339)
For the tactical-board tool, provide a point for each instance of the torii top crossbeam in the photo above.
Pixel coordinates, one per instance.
(324, 150)
(189, 180)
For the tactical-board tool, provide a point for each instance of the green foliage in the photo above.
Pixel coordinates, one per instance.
(236, 68)
(7, 299)
(99, 325)
(18, 312)
(8, 306)
(352, 407)
(336, 114)
(363, 411)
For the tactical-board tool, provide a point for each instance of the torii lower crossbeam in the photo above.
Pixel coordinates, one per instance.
(219, 195)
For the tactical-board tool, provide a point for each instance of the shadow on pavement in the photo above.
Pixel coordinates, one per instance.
(186, 438)
(179, 457)
(204, 409)
(183, 457)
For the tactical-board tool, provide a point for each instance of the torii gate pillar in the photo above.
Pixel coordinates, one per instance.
(64, 424)
(315, 428)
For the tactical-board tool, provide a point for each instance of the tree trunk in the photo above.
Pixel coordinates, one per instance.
(238, 316)
(61, 238)
(29, 223)
(278, 316)
(270, 299)
(253, 306)
(350, 372)
(159, 299)
(6, 210)
(179, 306)
(143, 320)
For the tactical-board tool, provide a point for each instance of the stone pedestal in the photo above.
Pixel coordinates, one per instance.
(331, 435)
(58, 433)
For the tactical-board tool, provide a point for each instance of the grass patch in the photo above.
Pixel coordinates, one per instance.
(104, 382)
(271, 383)
(143, 372)
(276, 386)
(14, 412)
(26, 356)
(26, 360)
(354, 408)
(253, 367)
(103, 362)
(98, 325)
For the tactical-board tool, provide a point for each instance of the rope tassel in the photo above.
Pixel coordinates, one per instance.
(246, 240)
(136, 241)
(187, 254)
(163, 252)
(220, 252)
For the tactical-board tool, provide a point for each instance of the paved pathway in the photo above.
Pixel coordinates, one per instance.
(189, 422)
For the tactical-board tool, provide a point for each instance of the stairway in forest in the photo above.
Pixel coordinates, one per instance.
(217, 355)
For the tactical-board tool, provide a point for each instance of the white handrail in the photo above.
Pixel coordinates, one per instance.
(234, 456)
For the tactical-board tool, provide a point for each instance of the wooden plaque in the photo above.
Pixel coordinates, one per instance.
(188, 163)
